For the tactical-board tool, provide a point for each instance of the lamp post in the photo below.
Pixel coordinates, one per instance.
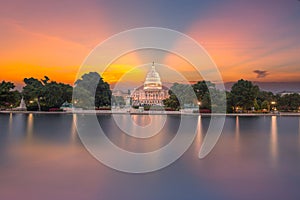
(273, 103)
(199, 104)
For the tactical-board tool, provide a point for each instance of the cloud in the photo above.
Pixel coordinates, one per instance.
(260, 73)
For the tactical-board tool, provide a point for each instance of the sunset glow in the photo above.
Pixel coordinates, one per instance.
(53, 39)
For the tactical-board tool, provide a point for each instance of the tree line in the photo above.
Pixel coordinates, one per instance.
(244, 96)
(45, 94)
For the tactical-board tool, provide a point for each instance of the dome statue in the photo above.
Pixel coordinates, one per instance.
(152, 81)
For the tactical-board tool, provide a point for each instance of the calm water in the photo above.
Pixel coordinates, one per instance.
(41, 157)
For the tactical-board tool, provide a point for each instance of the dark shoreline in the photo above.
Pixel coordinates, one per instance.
(152, 113)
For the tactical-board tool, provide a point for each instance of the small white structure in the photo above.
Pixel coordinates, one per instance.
(67, 107)
(22, 106)
(288, 93)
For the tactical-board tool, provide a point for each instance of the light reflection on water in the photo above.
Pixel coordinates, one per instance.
(199, 136)
(299, 130)
(274, 139)
(41, 157)
(10, 123)
(237, 133)
(73, 129)
(29, 127)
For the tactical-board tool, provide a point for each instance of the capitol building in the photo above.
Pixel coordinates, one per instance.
(152, 92)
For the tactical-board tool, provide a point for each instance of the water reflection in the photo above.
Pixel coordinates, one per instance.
(237, 133)
(73, 129)
(29, 127)
(10, 123)
(140, 126)
(199, 136)
(299, 130)
(274, 139)
(53, 166)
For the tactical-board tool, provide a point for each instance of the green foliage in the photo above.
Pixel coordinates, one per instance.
(201, 88)
(289, 102)
(201, 92)
(180, 94)
(91, 95)
(265, 96)
(230, 105)
(33, 92)
(265, 105)
(243, 94)
(218, 100)
(50, 95)
(9, 98)
(43, 95)
(118, 100)
(172, 102)
(55, 94)
(256, 106)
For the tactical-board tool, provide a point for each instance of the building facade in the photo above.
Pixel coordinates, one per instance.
(152, 92)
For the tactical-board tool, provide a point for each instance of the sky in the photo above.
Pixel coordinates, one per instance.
(256, 40)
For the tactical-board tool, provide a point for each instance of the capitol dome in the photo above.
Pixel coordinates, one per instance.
(152, 80)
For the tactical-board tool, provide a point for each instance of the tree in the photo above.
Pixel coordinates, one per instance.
(45, 94)
(202, 91)
(90, 95)
(289, 102)
(172, 102)
(265, 96)
(55, 94)
(217, 100)
(103, 94)
(265, 105)
(33, 91)
(118, 100)
(209, 96)
(243, 94)
(8, 97)
(180, 94)
(230, 103)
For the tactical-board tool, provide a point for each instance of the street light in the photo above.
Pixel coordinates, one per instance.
(273, 103)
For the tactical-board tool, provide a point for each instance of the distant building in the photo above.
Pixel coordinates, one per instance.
(152, 92)
(287, 92)
(120, 93)
(124, 95)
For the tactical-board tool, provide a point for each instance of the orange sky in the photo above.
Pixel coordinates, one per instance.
(53, 38)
